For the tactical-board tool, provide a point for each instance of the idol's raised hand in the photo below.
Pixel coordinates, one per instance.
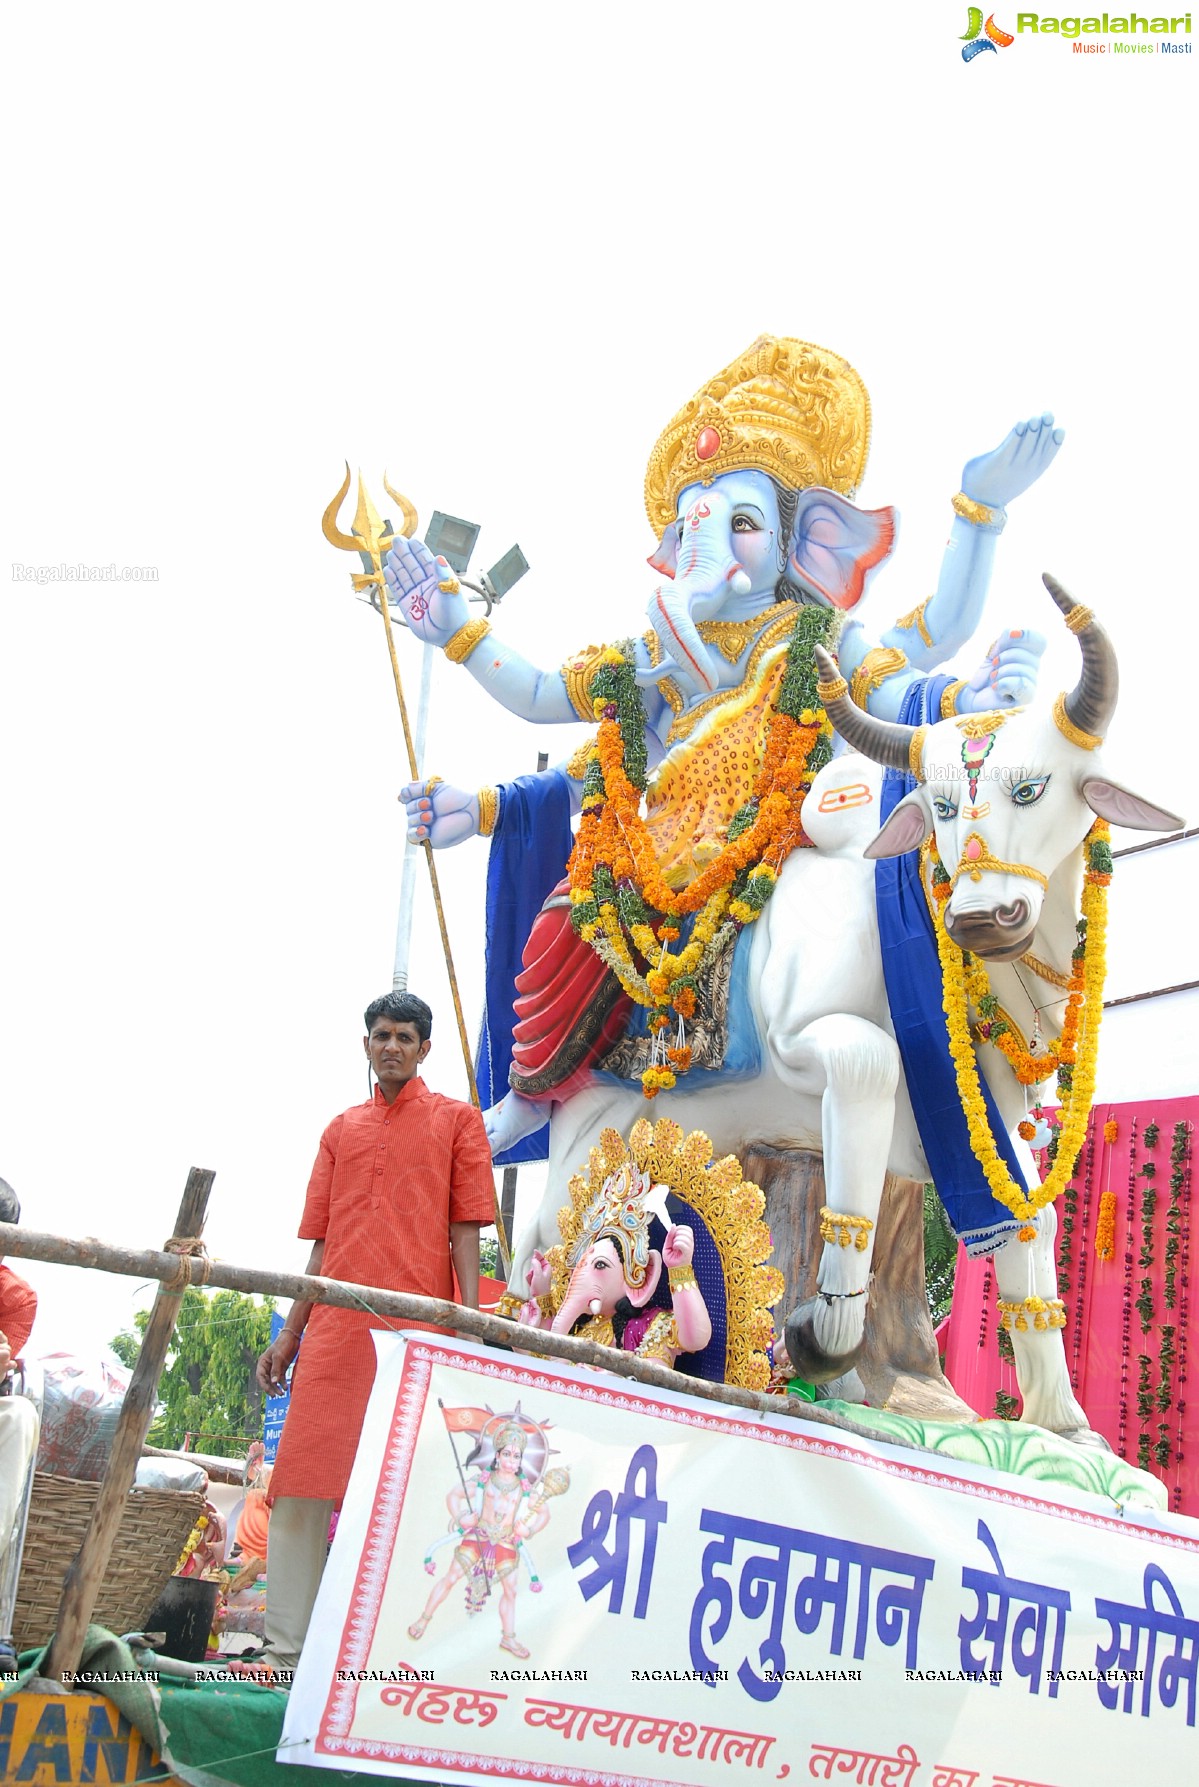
(425, 590)
(1007, 471)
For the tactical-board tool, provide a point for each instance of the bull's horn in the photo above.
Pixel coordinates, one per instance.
(1092, 701)
(882, 740)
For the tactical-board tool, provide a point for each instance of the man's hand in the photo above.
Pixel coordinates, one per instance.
(271, 1370)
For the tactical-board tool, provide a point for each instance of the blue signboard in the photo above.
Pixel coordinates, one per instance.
(276, 1406)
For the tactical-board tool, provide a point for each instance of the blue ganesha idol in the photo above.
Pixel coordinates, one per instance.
(719, 932)
(749, 489)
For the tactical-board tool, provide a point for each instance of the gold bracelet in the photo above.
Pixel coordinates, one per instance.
(842, 1229)
(489, 808)
(949, 700)
(681, 1277)
(1086, 741)
(576, 768)
(916, 752)
(990, 521)
(459, 648)
(879, 663)
(834, 691)
(1079, 618)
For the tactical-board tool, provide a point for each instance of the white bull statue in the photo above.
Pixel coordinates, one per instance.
(1009, 799)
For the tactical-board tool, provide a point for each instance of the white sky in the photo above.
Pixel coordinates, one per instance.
(491, 249)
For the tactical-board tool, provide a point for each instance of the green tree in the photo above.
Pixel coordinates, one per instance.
(207, 1386)
(940, 1256)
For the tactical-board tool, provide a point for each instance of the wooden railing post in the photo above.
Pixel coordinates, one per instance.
(86, 1574)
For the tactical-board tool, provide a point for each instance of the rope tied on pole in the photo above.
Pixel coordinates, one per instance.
(189, 1248)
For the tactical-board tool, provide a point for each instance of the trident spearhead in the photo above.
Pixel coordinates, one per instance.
(369, 535)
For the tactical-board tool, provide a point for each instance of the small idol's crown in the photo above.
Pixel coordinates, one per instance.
(617, 1213)
(784, 407)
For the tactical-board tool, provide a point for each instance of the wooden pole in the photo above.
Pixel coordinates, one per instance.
(86, 1573)
(398, 1307)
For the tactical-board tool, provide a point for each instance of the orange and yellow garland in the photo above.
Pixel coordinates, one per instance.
(620, 899)
(1074, 1056)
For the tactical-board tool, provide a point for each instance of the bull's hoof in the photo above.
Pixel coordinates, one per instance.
(807, 1354)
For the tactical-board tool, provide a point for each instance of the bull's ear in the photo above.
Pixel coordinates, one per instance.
(906, 828)
(665, 556)
(1116, 804)
(834, 545)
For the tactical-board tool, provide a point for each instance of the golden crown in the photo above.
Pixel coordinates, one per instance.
(784, 407)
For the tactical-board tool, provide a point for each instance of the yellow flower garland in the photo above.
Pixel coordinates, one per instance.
(1076, 1104)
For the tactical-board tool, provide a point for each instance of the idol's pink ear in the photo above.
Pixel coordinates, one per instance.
(834, 545)
(639, 1298)
(665, 556)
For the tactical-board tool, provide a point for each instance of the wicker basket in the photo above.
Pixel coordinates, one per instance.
(154, 1529)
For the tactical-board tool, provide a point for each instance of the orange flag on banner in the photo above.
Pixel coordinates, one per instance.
(466, 1420)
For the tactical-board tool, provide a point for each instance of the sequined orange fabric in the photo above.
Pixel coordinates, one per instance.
(706, 777)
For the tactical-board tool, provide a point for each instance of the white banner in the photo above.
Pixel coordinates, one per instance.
(672, 1592)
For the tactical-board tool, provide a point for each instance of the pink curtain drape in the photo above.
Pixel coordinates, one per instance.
(1129, 1319)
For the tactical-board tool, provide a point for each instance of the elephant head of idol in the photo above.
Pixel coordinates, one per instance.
(749, 490)
(1009, 796)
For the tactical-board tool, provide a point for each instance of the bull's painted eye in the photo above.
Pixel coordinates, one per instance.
(1027, 794)
(944, 809)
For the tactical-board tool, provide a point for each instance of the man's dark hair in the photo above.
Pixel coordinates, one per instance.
(402, 1008)
(10, 1203)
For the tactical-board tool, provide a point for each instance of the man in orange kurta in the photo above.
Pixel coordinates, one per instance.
(400, 1189)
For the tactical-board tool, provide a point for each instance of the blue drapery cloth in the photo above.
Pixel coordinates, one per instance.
(912, 971)
(529, 851)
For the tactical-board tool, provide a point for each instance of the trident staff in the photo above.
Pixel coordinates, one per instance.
(370, 537)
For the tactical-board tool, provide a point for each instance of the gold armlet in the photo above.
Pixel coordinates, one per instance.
(989, 521)
(916, 753)
(844, 1229)
(682, 1277)
(949, 700)
(916, 619)
(879, 663)
(489, 810)
(1086, 741)
(576, 674)
(459, 648)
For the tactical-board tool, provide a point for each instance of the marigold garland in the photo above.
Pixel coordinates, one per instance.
(620, 900)
(1105, 1228)
(1076, 1057)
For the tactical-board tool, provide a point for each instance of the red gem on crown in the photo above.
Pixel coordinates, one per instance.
(707, 443)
